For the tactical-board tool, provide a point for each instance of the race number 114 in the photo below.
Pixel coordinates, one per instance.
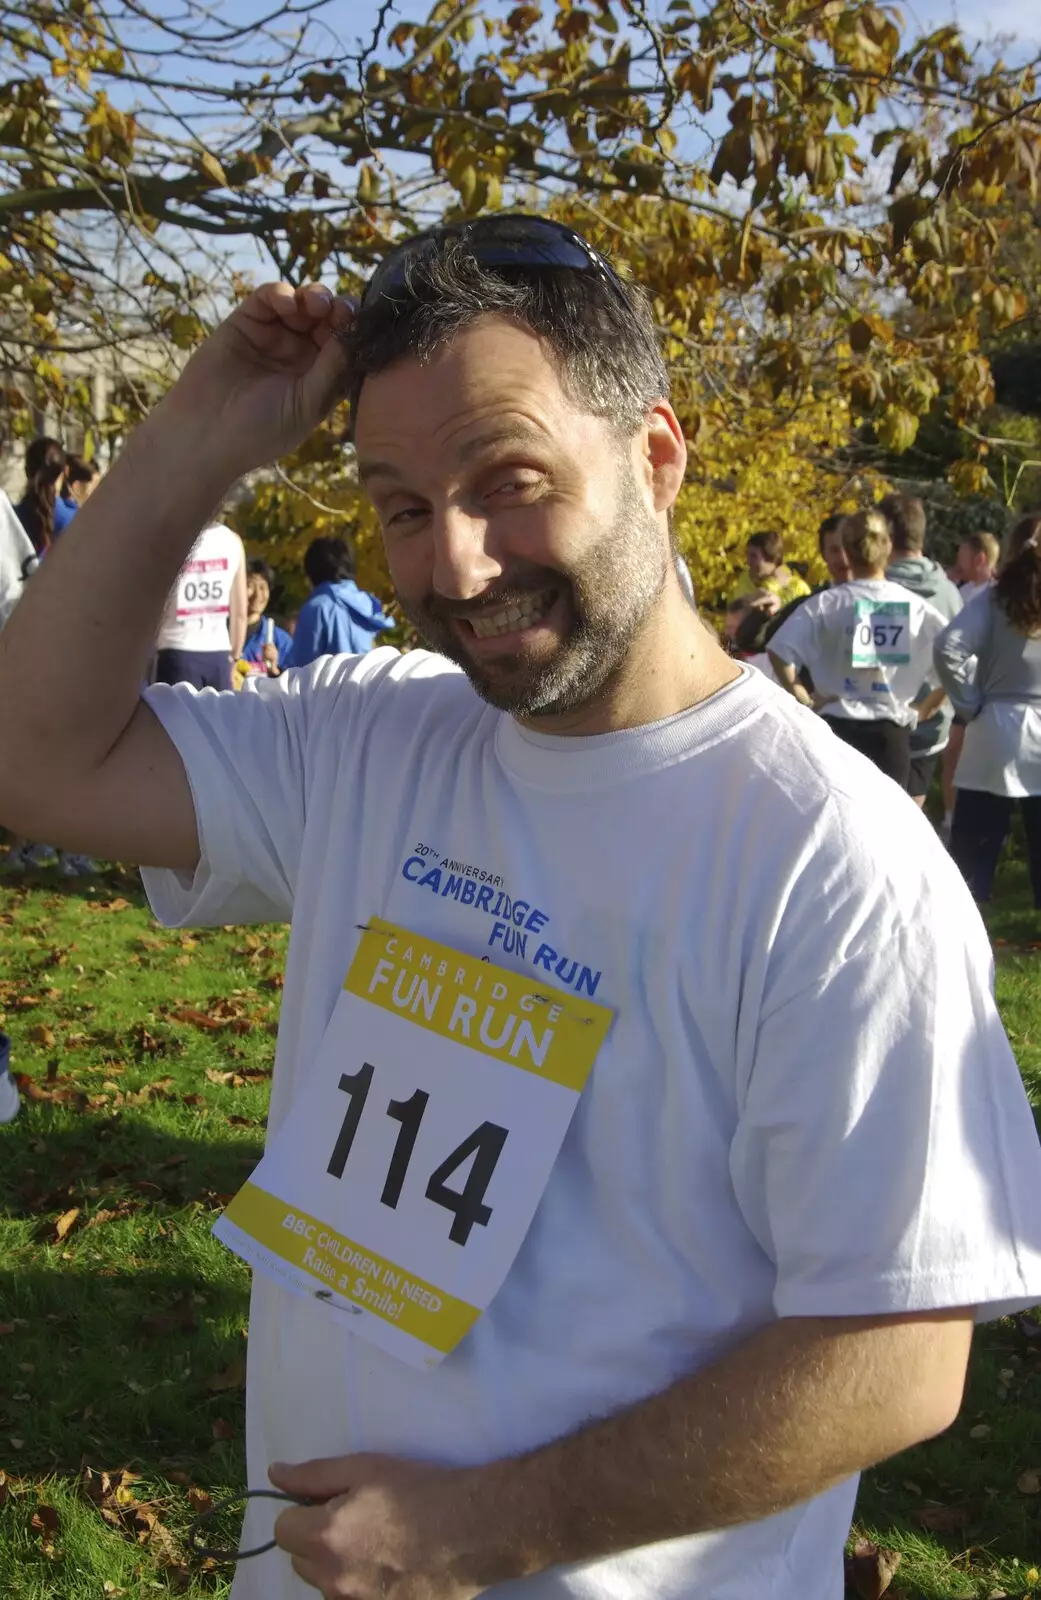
(484, 1145)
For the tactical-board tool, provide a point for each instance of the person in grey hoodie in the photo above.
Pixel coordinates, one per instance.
(339, 618)
(989, 661)
(911, 567)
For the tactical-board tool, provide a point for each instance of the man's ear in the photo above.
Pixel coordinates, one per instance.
(664, 451)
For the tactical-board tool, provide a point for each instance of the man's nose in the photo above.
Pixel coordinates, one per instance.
(464, 567)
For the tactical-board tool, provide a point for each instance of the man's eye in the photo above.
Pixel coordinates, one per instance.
(402, 518)
(517, 485)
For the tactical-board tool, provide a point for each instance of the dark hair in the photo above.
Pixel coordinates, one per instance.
(608, 350)
(906, 518)
(44, 465)
(770, 543)
(829, 525)
(79, 470)
(1018, 587)
(328, 560)
(257, 567)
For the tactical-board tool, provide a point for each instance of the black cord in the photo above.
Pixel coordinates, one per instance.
(224, 1505)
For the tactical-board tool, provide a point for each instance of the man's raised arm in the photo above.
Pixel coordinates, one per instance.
(83, 762)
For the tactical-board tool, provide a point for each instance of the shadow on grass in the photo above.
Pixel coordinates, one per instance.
(136, 1368)
(123, 1340)
(109, 883)
(100, 1162)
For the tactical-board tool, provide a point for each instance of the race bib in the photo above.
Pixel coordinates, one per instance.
(403, 1181)
(204, 588)
(881, 633)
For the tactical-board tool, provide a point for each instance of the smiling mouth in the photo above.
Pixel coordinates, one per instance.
(513, 618)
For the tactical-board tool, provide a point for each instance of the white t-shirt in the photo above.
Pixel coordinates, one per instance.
(969, 591)
(820, 636)
(806, 1106)
(197, 610)
(16, 552)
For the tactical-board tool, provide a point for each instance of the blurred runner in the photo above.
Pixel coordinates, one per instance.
(338, 618)
(989, 661)
(203, 628)
(863, 642)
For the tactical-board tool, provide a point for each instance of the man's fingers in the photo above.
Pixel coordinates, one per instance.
(300, 310)
(307, 1570)
(299, 1528)
(320, 1479)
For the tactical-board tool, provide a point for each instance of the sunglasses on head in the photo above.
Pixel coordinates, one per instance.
(505, 239)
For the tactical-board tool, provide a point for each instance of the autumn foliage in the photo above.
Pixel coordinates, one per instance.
(820, 201)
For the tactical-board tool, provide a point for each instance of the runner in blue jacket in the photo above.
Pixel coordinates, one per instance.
(338, 618)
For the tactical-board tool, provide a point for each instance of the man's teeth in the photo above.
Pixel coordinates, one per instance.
(512, 619)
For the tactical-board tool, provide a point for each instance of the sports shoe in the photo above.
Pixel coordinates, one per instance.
(40, 855)
(9, 1097)
(71, 865)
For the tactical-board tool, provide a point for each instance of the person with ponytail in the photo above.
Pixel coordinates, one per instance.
(989, 661)
(81, 479)
(45, 464)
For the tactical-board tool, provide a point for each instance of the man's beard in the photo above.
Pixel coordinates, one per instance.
(606, 600)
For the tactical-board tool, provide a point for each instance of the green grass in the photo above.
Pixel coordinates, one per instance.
(122, 1343)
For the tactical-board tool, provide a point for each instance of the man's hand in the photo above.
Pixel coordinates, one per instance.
(270, 656)
(388, 1529)
(266, 378)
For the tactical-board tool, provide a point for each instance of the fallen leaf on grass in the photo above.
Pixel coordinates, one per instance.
(65, 1223)
(106, 905)
(147, 1042)
(32, 1090)
(1029, 1482)
(237, 1080)
(222, 1429)
(982, 1430)
(870, 1570)
(935, 1518)
(200, 1501)
(198, 1019)
(193, 1099)
(39, 1033)
(45, 1520)
(241, 1122)
(233, 1377)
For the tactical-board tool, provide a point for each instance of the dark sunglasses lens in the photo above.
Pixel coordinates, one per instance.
(496, 242)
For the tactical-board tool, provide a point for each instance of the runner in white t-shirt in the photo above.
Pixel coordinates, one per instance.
(639, 1077)
(868, 646)
(203, 627)
(973, 571)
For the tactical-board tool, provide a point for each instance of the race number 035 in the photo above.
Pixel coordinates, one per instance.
(484, 1144)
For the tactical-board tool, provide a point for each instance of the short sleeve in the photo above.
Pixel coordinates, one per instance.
(932, 624)
(957, 651)
(793, 641)
(246, 757)
(885, 1157)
